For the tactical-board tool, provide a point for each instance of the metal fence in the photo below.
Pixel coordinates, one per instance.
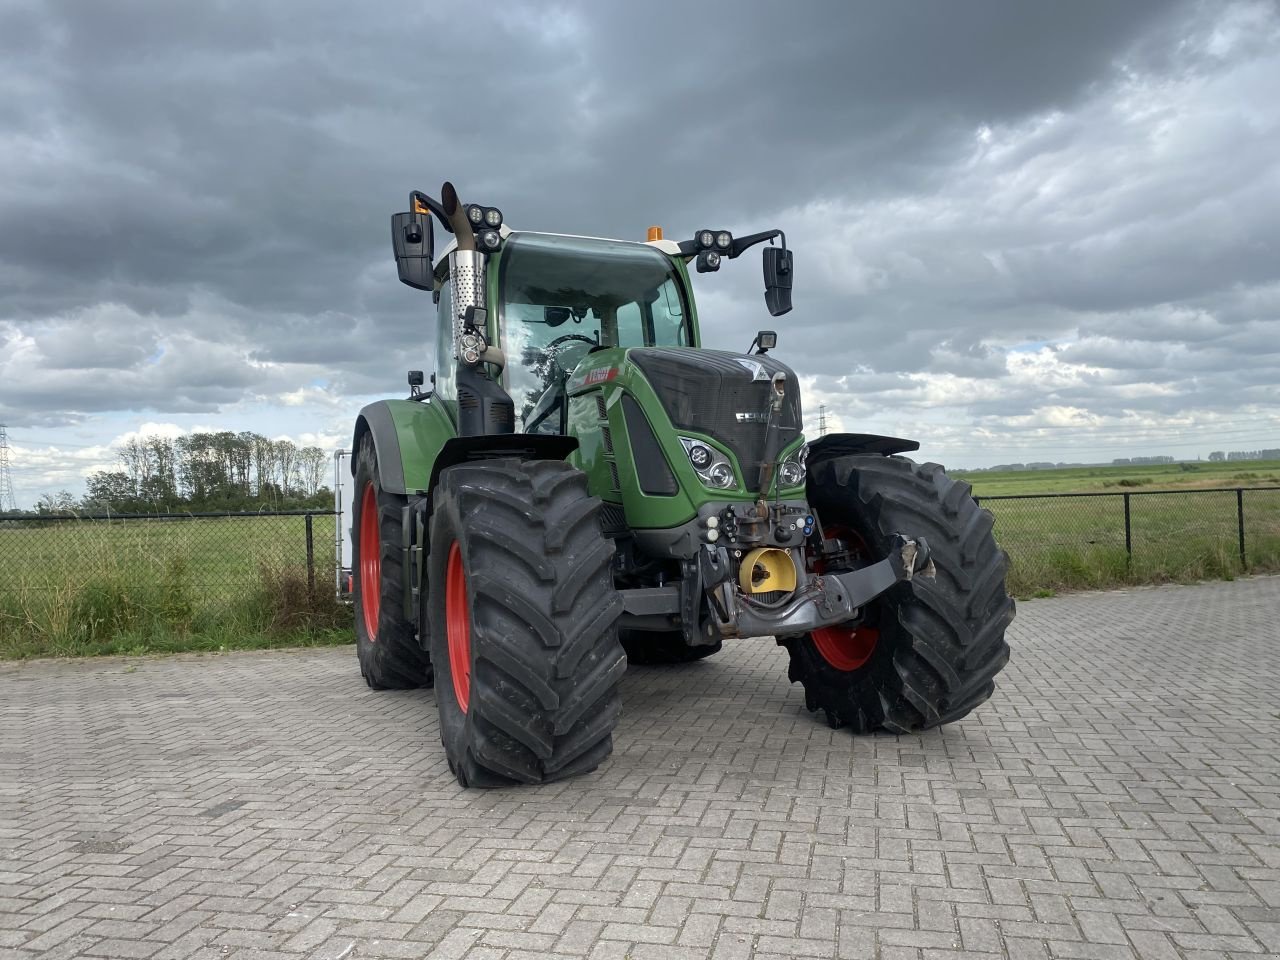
(1093, 539)
(218, 556)
(1053, 540)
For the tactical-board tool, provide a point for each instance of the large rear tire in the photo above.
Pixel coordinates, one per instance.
(927, 651)
(647, 648)
(391, 658)
(524, 623)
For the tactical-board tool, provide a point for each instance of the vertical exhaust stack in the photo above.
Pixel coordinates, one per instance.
(466, 264)
(484, 408)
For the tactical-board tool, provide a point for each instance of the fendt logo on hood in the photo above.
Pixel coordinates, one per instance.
(755, 368)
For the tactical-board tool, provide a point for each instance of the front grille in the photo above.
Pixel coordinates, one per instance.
(705, 390)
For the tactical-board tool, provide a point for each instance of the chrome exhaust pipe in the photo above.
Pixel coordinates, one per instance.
(466, 265)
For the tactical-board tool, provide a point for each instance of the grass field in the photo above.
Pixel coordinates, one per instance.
(1192, 533)
(86, 587)
(1169, 476)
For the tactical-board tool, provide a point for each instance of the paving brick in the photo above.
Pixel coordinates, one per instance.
(1107, 803)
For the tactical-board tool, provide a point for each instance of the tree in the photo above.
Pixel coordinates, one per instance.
(286, 456)
(223, 470)
(1217, 456)
(60, 502)
(312, 461)
(110, 490)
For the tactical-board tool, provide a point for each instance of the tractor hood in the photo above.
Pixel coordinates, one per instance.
(726, 396)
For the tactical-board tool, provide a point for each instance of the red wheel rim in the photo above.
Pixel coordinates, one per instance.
(843, 647)
(846, 648)
(370, 562)
(457, 626)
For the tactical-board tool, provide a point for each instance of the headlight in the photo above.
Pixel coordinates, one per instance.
(724, 239)
(794, 469)
(475, 214)
(720, 475)
(706, 239)
(493, 216)
(711, 466)
(699, 456)
(490, 239)
(708, 261)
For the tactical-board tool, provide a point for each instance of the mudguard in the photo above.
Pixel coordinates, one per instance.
(408, 435)
(414, 440)
(844, 444)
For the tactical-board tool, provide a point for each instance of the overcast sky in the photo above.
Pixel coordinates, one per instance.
(1023, 231)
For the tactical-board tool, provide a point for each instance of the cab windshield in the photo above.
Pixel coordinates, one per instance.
(561, 296)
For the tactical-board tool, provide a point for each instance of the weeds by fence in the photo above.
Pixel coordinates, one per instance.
(76, 584)
(105, 584)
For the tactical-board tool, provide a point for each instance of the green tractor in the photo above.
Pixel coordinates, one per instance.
(585, 485)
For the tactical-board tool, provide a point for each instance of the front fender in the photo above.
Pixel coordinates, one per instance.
(844, 444)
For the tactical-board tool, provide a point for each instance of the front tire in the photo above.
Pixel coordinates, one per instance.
(391, 658)
(524, 623)
(926, 652)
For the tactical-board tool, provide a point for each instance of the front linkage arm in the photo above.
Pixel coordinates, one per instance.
(828, 598)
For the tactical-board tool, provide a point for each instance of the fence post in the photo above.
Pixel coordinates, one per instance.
(1128, 533)
(1244, 563)
(311, 559)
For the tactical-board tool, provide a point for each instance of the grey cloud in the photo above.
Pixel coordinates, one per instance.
(197, 196)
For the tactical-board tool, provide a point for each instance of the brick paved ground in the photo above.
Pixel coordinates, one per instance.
(1119, 797)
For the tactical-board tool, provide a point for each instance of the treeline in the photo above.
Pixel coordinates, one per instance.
(205, 472)
(1272, 454)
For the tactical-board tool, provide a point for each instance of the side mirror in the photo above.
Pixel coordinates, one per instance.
(554, 316)
(777, 280)
(414, 247)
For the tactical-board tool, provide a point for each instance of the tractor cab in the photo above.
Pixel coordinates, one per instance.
(561, 298)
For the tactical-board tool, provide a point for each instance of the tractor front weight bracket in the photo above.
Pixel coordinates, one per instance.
(827, 598)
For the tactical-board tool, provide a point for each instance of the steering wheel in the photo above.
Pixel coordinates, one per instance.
(554, 352)
(563, 338)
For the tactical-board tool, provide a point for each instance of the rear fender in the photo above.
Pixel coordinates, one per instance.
(522, 446)
(407, 435)
(413, 442)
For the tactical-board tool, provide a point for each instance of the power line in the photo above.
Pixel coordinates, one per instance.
(27, 441)
(8, 503)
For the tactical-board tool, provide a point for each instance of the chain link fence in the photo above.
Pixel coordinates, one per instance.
(197, 567)
(83, 577)
(1079, 540)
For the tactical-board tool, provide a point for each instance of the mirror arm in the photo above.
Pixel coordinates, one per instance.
(418, 200)
(742, 244)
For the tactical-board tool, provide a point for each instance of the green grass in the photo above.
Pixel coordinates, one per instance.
(1073, 543)
(82, 588)
(1168, 476)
